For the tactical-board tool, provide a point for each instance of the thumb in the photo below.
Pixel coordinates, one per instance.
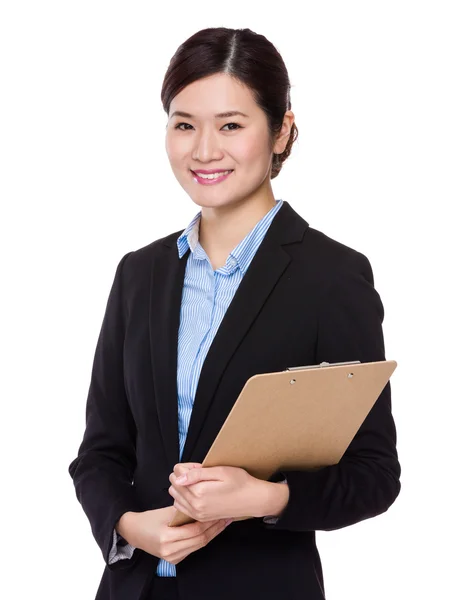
(199, 474)
(182, 468)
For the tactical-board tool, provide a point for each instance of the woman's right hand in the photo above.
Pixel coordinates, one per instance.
(149, 531)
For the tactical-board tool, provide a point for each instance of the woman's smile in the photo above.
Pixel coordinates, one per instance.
(212, 178)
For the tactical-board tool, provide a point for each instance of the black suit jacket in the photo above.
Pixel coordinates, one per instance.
(305, 298)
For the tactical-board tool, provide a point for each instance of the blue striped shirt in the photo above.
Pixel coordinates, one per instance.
(206, 296)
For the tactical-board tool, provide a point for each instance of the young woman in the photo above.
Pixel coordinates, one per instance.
(248, 287)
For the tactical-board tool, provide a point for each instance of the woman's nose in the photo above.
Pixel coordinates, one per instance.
(207, 147)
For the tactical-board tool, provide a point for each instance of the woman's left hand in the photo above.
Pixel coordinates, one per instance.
(209, 493)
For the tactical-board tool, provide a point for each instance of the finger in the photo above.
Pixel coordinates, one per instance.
(187, 493)
(206, 530)
(211, 532)
(180, 503)
(189, 465)
(200, 474)
(182, 548)
(181, 468)
(191, 530)
(186, 510)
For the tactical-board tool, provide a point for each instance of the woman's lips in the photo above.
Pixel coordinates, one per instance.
(202, 181)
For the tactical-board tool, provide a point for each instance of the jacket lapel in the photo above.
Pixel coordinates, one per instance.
(264, 271)
(266, 268)
(165, 300)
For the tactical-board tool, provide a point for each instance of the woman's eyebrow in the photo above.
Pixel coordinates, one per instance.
(223, 115)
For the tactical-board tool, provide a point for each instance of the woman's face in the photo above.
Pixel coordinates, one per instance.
(204, 141)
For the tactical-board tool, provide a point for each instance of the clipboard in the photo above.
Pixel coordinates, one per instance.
(298, 419)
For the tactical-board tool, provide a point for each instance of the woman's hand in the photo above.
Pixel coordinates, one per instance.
(210, 493)
(149, 531)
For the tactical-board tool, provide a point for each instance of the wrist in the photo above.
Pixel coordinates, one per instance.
(274, 499)
(124, 526)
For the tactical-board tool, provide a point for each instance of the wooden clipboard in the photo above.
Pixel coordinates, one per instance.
(301, 418)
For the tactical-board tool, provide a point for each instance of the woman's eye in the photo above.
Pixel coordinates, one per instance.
(238, 126)
(179, 126)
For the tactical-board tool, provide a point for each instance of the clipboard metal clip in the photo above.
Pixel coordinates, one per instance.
(323, 365)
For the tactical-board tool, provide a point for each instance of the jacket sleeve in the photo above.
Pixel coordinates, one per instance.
(120, 549)
(366, 480)
(104, 468)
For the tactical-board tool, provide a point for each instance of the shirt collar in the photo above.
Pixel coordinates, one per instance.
(241, 255)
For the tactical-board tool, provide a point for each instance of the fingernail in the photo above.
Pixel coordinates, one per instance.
(229, 521)
(181, 479)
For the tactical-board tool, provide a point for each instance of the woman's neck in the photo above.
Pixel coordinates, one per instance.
(222, 229)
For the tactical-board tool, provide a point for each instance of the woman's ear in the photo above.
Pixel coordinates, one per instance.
(284, 134)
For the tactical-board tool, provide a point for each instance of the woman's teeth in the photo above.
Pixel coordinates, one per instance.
(212, 175)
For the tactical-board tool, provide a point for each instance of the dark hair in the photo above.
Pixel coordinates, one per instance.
(245, 55)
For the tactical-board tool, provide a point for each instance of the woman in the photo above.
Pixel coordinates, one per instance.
(248, 287)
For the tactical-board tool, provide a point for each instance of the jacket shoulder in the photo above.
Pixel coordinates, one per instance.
(137, 264)
(333, 252)
(150, 249)
(329, 246)
(332, 259)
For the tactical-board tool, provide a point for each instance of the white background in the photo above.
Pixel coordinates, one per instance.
(85, 179)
